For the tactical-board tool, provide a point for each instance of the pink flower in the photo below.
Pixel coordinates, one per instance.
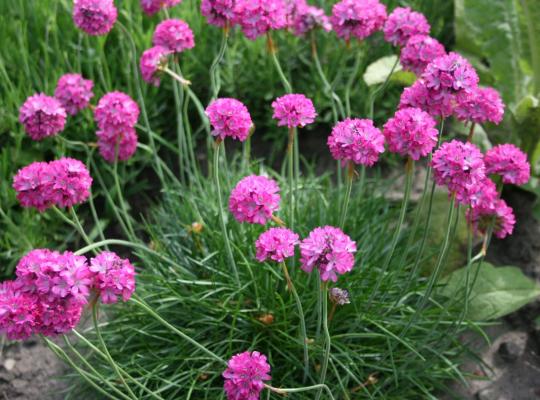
(329, 250)
(151, 61)
(74, 92)
(229, 117)
(95, 17)
(356, 140)
(42, 116)
(122, 141)
(481, 194)
(174, 35)
(411, 132)
(308, 18)
(19, 312)
(480, 105)
(219, 12)
(294, 110)
(459, 166)
(509, 162)
(245, 376)
(114, 277)
(450, 73)
(498, 214)
(419, 51)
(402, 24)
(150, 7)
(71, 182)
(254, 199)
(59, 316)
(33, 184)
(339, 296)
(357, 18)
(257, 17)
(276, 244)
(116, 110)
(433, 102)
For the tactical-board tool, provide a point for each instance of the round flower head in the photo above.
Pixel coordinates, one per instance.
(356, 140)
(150, 7)
(329, 250)
(245, 376)
(74, 92)
(71, 182)
(174, 35)
(480, 105)
(19, 312)
(509, 162)
(339, 296)
(254, 199)
(402, 24)
(59, 316)
(151, 61)
(114, 277)
(294, 110)
(229, 117)
(113, 141)
(419, 51)
(482, 194)
(257, 17)
(411, 132)
(276, 244)
(219, 12)
(433, 102)
(33, 185)
(116, 110)
(498, 214)
(459, 166)
(357, 18)
(95, 17)
(42, 116)
(450, 73)
(308, 18)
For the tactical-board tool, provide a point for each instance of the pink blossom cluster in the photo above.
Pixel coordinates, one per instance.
(433, 102)
(402, 24)
(419, 51)
(254, 199)
(174, 35)
(276, 244)
(95, 17)
(245, 376)
(480, 105)
(257, 17)
(74, 92)
(497, 213)
(307, 18)
(329, 250)
(151, 62)
(294, 110)
(220, 13)
(116, 115)
(356, 140)
(150, 7)
(339, 296)
(42, 116)
(411, 132)
(62, 183)
(357, 19)
(450, 74)
(113, 277)
(229, 117)
(509, 162)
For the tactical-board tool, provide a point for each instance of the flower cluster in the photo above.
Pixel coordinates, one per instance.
(174, 35)
(151, 62)
(74, 92)
(357, 19)
(411, 132)
(245, 376)
(339, 296)
(450, 74)
(480, 105)
(63, 183)
(257, 17)
(150, 7)
(95, 17)
(419, 51)
(509, 162)
(402, 24)
(329, 250)
(498, 213)
(294, 110)
(114, 277)
(42, 116)
(219, 12)
(356, 140)
(306, 18)
(254, 199)
(229, 117)
(276, 244)
(430, 101)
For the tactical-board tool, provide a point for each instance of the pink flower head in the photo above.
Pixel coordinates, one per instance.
(357, 18)
(116, 110)
(483, 194)
(294, 110)
(339, 296)
(308, 18)
(71, 182)
(19, 312)
(419, 51)
(74, 92)
(33, 185)
(480, 105)
(450, 73)
(459, 166)
(356, 140)
(42, 116)
(151, 61)
(402, 24)
(276, 244)
(112, 141)
(509, 162)
(229, 117)
(254, 199)
(257, 17)
(329, 250)
(114, 277)
(95, 17)
(219, 12)
(245, 376)
(433, 102)
(59, 316)
(411, 132)
(498, 214)
(174, 35)
(150, 7)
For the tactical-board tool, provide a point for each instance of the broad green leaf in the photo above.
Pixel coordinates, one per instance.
(497, 292)
(379, 71)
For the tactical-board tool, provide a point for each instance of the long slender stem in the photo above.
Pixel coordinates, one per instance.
(345, 207)
(178, 91)
(215, 77)
(121, 198)
(273, 53)
(350, 82)
(328, 340)
(292, 184)
(285, 391)
(373, 96)
(79, 226)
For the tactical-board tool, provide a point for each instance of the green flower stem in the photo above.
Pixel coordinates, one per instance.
(471, 132)
(285, 392)
(328, 340)
(79, 226)
(137, 300)
(350, 82)
(178, 91)
(176, 77)
(303, 330)
(273, 53)
(121, 198)
(215, 73)
(380, 90)
(345, 207)
(291, 176)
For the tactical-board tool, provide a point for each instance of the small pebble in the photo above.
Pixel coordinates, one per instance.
(9, 364)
